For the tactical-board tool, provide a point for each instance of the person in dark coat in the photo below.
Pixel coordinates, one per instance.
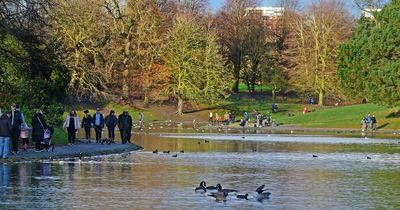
(38, 127)
(111, 121)
(119, 124)
(98, 123)
(5, 134)
(126, 127)
(16, 121)
(87, 124)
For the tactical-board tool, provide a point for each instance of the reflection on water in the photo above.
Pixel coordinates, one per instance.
(341, 177)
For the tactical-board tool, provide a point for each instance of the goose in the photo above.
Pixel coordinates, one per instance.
(201, 188)
(263, 196)
(155, 151)
(314, 156)
(242, 196)
(219, 196)
(219, 188)
(260, 188)
(176, 155)
(182, 151)
(213, 187)
(369, 158)
(166, 152)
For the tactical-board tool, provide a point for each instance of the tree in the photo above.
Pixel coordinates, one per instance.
(78, 28)
(255, 50)
(231, 23)
(197, 72)
(318, 35)
(368, 64)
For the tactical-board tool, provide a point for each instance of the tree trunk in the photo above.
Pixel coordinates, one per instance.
(273, 94)
(180, 105)
(125, 72)
(235, 88)
(321, 97)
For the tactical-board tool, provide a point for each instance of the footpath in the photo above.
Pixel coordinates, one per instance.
(73, 151)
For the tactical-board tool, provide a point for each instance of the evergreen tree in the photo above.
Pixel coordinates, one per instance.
(368, 64)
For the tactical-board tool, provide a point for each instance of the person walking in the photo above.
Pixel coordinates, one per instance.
(210, 118)
(5, 134)
(87, 125)
(38, 127)
(120, 125)
(141, 120)
(71, 124)
(111, 121)
(98, 122)
(24, 131)
(16, 122)
(246, 117)
(373, 119)
(125, 124)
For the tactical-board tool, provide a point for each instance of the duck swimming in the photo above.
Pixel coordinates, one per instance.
(201, 188)
(263, 195)
(219, 188)
(242, 196)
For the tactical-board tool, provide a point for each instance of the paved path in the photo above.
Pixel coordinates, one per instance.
(74, 151)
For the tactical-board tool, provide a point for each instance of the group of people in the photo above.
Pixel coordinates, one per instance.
(216, 119)
(98, 122)
(368, 121)
(13, 127)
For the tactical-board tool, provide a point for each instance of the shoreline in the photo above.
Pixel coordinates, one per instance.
(75, 151)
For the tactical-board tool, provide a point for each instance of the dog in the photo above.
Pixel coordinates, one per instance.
(108, 141)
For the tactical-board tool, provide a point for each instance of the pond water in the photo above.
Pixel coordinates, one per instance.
(341, 177)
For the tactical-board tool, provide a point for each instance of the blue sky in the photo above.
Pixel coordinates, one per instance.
(217, 4)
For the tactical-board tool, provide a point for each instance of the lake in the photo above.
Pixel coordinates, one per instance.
(340, 177)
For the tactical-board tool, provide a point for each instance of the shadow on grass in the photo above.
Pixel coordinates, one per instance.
(394, 114)
(382, 126)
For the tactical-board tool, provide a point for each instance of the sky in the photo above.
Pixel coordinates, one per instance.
(217, 4)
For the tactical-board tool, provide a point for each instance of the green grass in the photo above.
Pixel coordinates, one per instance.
(258, 88)
(322, 117)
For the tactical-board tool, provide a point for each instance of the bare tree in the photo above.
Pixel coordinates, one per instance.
(318, 35)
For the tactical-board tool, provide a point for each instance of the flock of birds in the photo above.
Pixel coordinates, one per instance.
(168, 152)
(221, 194)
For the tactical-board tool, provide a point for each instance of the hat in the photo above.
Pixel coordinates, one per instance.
(86, 111)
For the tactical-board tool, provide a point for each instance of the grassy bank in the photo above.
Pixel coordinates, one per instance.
(322, 117)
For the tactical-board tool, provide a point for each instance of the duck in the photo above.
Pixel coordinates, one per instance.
(219, 188)
(369, 158)
(182, 151)
(176, 155)
(219, 196)
(166, 152)
(314, 156)
(155, 151)
(206, 141)
(242, 196)
(201, 188)
(262, 196)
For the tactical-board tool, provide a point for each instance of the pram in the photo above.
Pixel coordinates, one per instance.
(47, 142)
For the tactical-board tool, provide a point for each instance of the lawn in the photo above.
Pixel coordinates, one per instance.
(322, 117)
(258, 88)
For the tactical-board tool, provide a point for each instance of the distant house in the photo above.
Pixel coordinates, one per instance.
(369, 13)
(270, 15)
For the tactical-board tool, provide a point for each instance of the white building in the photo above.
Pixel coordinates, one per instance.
(368, 13)
(267, 11)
